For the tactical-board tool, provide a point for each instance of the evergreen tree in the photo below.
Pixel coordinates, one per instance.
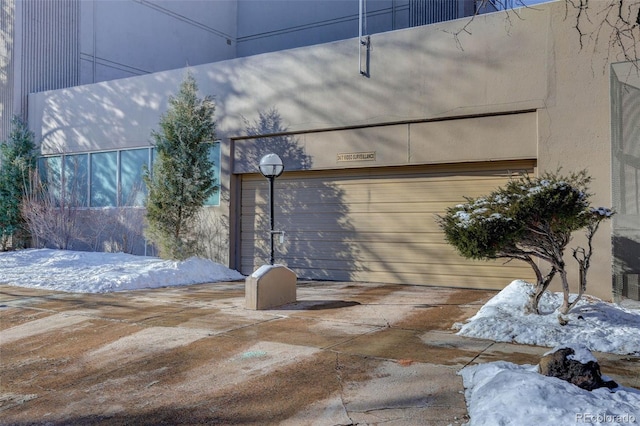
(531, 219)
(181, 179)
(17, 160)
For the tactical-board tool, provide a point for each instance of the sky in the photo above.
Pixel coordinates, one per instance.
(496, 393)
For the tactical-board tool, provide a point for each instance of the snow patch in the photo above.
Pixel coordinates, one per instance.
(581, 353)
(502, 393)
(261, 271)
(598, 325)
(95, 272)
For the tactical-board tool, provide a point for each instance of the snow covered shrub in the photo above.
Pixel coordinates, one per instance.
(530, 219)
(182, 176)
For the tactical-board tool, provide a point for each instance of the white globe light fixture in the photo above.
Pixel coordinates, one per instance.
(271, 167)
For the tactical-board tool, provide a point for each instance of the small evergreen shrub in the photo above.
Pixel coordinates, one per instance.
(530, 219)
(182, 176)
(17, 161)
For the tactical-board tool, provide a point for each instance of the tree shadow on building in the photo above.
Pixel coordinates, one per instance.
(317, 234)
(626, 179)
(626, 267)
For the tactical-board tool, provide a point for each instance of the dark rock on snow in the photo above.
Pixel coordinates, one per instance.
(562, 364)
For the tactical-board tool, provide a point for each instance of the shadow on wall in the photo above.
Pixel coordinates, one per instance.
(626, 183)
(314, 88)
(115, 230)
(626, 267)
(56, 213)
(628, 255)
(211, 229)
(313, 247)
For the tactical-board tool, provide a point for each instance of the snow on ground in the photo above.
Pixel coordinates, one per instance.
(502, 393)
(91, 272)
(497, 393)
(601, 326)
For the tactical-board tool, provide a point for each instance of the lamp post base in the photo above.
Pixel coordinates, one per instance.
(270, 286)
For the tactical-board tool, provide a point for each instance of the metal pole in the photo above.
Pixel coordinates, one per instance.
(360, 36)
(271, 218)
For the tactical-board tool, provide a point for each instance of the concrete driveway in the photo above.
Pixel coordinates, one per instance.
(345, 353)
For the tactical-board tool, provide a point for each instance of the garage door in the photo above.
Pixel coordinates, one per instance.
(375, 225)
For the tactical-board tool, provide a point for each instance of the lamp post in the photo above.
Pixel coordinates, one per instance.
(271, 167)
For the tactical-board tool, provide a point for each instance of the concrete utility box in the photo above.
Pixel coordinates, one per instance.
(270, 286)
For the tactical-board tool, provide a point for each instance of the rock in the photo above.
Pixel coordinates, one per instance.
(581, 371)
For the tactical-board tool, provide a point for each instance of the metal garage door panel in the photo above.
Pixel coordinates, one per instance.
(372, 225)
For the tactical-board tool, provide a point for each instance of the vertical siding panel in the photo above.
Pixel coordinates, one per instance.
(27, 46)
(7, 16)
(424, 12)
(50, 52)
(45, 46)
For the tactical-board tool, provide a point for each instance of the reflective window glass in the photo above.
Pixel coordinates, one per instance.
(51, 172)
(132, 187)
(214, 156)
(76, 179)
(104, 179)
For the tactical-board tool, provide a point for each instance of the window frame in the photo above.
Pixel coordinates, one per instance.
(88, 203)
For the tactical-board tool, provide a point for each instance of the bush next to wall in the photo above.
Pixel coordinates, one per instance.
(17, 160)
(530, 219)
(181, 179)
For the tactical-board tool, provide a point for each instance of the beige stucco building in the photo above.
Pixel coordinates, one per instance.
(371, 159)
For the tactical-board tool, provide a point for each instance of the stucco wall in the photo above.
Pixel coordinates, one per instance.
(575, 128)
(417, 73)
(424, 142)
(528, 63)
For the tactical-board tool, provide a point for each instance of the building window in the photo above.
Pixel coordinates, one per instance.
(104, 179)
(76, 172)
(51, 172)
(133, 191)
(108, 178)
(214, 156)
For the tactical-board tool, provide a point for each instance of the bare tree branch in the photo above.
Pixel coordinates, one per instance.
(616, 22)
(612, 23)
